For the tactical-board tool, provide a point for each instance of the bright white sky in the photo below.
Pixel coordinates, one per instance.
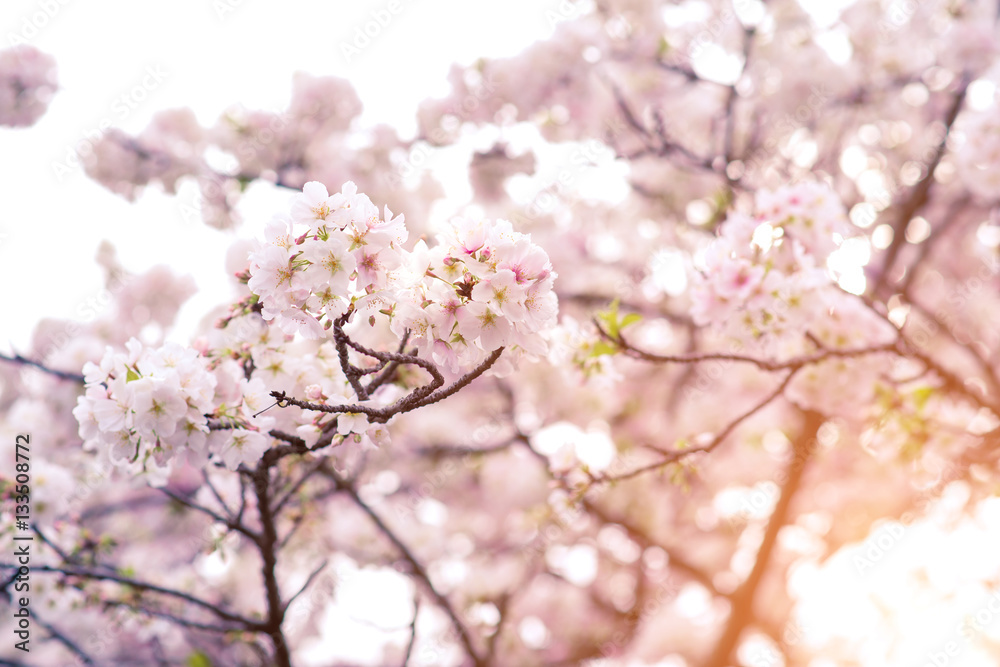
(211, 54)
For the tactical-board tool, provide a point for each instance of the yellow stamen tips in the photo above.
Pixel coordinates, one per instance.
(332, 264)
(358, 239)
(285, 275)
(488, 318)
(326, 297)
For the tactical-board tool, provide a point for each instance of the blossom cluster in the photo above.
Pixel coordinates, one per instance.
(766, 283)
(335, 259)
(758, 273)
(482, 287)
(27, 82)
(163, 152)
(209, 167)
(844, 386)
(144, 406)
(979, 160)
(263, 141)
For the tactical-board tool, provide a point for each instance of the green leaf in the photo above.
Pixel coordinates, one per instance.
(198, 659)
(131, 375)
(603, 347)
(613, 323)
(664, 48)
(631, 318)
(720, 203)
(609, 318)
(921, 396)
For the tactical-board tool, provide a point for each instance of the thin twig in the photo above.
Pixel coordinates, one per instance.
(62, 375)
(794, 363)
(676, 455)
(146, 586)
(227, 522)
(312, 577)
(413, 632)
(419, 570)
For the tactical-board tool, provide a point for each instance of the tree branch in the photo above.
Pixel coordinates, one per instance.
(424, 395)
(742, 600)
(145, 586)
(267, 543)
(62, 375)
(419, 571)
(676, 455)
(921, 192)
(793, 364)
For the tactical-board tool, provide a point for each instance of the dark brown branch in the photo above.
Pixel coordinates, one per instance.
(949, 218)
(677, 455)
(267, 543)
(389, 369)
(984, 364)
(60, 637)
(741, 612)
(280, 503)
(460, 383)
(145, 586)
(386, 357)
(629, 115)
(920, 194)
(62, 375)
(215, 516)
(297, 445)
(419, 397)
(215, 492)
(793, 364)
(350, 371)
(730, 111)
(312, 577)
(953, 383)
(297, 523)
(413, 632)
(419, 571)
(503, 608)
(677, 561)
(448, 451)
(173, 618)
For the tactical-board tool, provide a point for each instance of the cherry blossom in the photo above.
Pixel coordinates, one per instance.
(457, 298)
(27, 83)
